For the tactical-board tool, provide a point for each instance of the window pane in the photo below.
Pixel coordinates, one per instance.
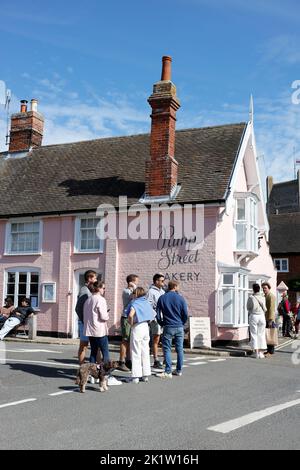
(228, 305)
(241, 209)
(228, 279)
(34, 289)
(22, 289)
(284, 265)
(34, 277)
(11, 277)
(10, 289)
(241, 236)
(277, 264)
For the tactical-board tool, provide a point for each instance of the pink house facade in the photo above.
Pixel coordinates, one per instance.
(48, 219)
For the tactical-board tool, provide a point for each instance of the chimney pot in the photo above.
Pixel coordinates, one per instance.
(166, 68)
(24, 106)
(34, 104)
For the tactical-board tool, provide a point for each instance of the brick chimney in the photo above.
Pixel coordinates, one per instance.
(162, 168)
(26, 128)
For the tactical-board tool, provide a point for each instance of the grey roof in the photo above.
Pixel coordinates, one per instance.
(284, 198)
(80, 176)
(285, 233)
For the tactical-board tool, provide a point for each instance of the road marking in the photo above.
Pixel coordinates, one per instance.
(32, 350)
(287, 343)
(197, 363)
(43, 362)
(194, 358)
(217, 360)
(61, 393)
(234, 424)
(14, 403)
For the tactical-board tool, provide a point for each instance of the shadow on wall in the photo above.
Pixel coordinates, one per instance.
(112, 187)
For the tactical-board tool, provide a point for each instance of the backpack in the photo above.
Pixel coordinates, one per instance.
(79, 306)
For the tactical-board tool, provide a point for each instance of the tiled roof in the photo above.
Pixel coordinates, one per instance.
(80, 176)
(284, 198)
(285, 233)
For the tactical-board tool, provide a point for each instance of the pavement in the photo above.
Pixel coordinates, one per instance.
(218, 403)
(114, 345)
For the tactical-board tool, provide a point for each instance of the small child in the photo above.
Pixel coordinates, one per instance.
(17, 317)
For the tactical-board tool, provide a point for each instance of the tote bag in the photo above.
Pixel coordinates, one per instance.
(272, 336)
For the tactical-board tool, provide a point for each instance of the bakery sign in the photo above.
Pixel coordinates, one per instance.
(176, 253)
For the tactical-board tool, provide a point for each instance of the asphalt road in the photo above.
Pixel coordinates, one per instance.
(232, 403)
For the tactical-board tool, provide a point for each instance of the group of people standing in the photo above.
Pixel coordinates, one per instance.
(262, 319)
(144, 316)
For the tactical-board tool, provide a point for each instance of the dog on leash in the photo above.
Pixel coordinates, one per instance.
(98, 371)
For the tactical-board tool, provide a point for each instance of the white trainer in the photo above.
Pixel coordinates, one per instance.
(113, 381)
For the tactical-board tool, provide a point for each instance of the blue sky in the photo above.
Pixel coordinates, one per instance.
(92, 66)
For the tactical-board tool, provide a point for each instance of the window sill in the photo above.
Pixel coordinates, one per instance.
(24, 254)
(88, 252)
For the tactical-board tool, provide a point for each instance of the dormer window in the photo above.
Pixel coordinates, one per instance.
(246, 223)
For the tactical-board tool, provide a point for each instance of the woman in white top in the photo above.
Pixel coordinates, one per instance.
(256, 307)
(95, 316)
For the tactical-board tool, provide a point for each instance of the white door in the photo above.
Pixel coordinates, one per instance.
(78, 283)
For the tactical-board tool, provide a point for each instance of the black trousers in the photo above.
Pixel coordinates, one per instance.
(286, 325)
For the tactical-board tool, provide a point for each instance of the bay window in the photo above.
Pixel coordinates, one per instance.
(246, 223)
(233, 295)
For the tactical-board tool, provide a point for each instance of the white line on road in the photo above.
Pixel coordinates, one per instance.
(14, 403)
(43, 362)
(62, 393)
(234, 424)
(195, 358)
(287, 343)
(198, 363)
(217, 360)
(32, 350)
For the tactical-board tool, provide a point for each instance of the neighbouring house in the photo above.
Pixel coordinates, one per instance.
(284, 218)
(48, 201)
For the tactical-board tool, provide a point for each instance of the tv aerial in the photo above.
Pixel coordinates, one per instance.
(5, 99)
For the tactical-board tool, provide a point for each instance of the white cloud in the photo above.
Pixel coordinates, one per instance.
(69, 119)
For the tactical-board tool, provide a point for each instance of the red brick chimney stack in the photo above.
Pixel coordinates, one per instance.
(162, 168)
(27, 128)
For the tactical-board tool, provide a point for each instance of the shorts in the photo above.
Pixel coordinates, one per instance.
(155, 328)
(80, 332)
(125, 329)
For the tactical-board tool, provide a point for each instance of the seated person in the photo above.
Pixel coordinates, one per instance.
(7, 309)
(18, 316)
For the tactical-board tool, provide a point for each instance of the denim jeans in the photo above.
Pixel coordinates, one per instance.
(169, 333)
(99, 343)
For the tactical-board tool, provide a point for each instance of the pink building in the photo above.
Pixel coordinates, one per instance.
(50, 194)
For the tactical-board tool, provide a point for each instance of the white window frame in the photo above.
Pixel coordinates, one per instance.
(77, 237)
(17, 271)
(47, 301)
(250, 222)
(281, 270)
(8, 237)
(236, 289)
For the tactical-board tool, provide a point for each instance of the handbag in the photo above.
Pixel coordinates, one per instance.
(272, 336)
